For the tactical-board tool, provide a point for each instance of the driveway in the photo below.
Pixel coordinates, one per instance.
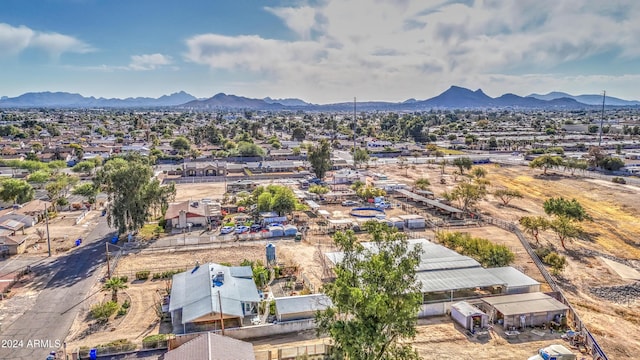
(43, 327)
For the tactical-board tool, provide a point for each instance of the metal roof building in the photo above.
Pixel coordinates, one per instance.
(516, 282)
(300, 307)
(198, 295)
(519, 310)
(210, 346)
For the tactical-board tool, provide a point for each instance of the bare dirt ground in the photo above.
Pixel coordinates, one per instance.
(198, 191)
(613, 233)
(63, 232)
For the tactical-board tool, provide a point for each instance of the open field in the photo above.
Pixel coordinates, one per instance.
(612, 233)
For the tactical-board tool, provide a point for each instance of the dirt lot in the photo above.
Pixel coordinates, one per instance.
(199, 191)
(612, 233)
(63, 232)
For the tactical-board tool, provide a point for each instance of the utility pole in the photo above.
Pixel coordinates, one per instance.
(221, 317)
(46, 217)
(106, 245)
(604, 95)
(354, 133)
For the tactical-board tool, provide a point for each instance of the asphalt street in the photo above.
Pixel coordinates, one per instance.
(44, 327)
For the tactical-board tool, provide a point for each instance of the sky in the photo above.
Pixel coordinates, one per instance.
(321, 51)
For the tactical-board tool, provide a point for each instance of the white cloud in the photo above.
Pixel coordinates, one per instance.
(14, 40)
(395, 49)
(149, 61)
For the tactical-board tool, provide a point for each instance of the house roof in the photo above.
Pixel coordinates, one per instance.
(196, 291)
(302, 304)
(34, 206)
(173, 211)
(525, 303)
(211, 346)
(12, 240)
(13, 225)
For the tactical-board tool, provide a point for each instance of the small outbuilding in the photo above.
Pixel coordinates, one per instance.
(302, 307)
(413, 221)
(468, 316)
(523, 310)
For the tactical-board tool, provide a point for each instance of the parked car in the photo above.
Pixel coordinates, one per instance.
(384, 205)
(275, 224)
(255, 228)
(227, 229)
(242, 229)
(349, 203)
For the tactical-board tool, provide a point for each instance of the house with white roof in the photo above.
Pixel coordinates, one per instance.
(211, 296)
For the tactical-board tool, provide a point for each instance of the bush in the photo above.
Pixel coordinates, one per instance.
(618, 180)
(124, 278)
(126, 304)
(557, 262)
(542, 252)
(155, 341)
(167, 274)
(272, 307)
(143, 275)
(103, 310)
(122, 311)
(482, 250)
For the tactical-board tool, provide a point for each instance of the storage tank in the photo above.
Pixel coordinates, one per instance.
(271, 253)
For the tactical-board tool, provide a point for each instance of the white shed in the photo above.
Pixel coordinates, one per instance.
(468, 316)
(413, 221)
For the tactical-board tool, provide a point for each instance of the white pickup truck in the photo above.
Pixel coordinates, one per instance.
(554, 352)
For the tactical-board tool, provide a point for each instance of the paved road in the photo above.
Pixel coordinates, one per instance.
(44, 327)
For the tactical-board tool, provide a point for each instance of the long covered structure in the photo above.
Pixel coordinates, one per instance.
(525, 310)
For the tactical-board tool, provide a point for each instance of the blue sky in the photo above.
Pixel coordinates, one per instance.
(321, 51)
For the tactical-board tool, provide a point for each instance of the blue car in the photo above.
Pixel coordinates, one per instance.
(255, 227)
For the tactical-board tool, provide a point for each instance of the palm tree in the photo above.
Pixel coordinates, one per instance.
(114, 284)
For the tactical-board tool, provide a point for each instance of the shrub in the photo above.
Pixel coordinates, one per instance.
(143, 275)
(155, 341)
(124, 278)
(482, 250)
(557, 262)
(126, 304)
(272, 307)
(167, 274)
(618, 180)
(542, 252)
(104, 310)
(122, 311)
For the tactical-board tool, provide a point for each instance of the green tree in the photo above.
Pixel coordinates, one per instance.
(422, 184)
(370, 192)
(114, 285)
(565, 228)
(556, 261)
(320, 158)
(361, 156)
(39, 177)
(298, 133)
(506, 195)
(16, 191)
(181, 144)
(132, 194)
(462, 163)
(546, 162)
(467, 194)
(88, 190)
(533, 225)
(78, 151)
(318, 189)
(84, 167)
(249, 149)
(571, 209)
(375, 297)
(478, 172)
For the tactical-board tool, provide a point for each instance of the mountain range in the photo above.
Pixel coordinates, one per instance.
(453, 98)
(69, 100)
